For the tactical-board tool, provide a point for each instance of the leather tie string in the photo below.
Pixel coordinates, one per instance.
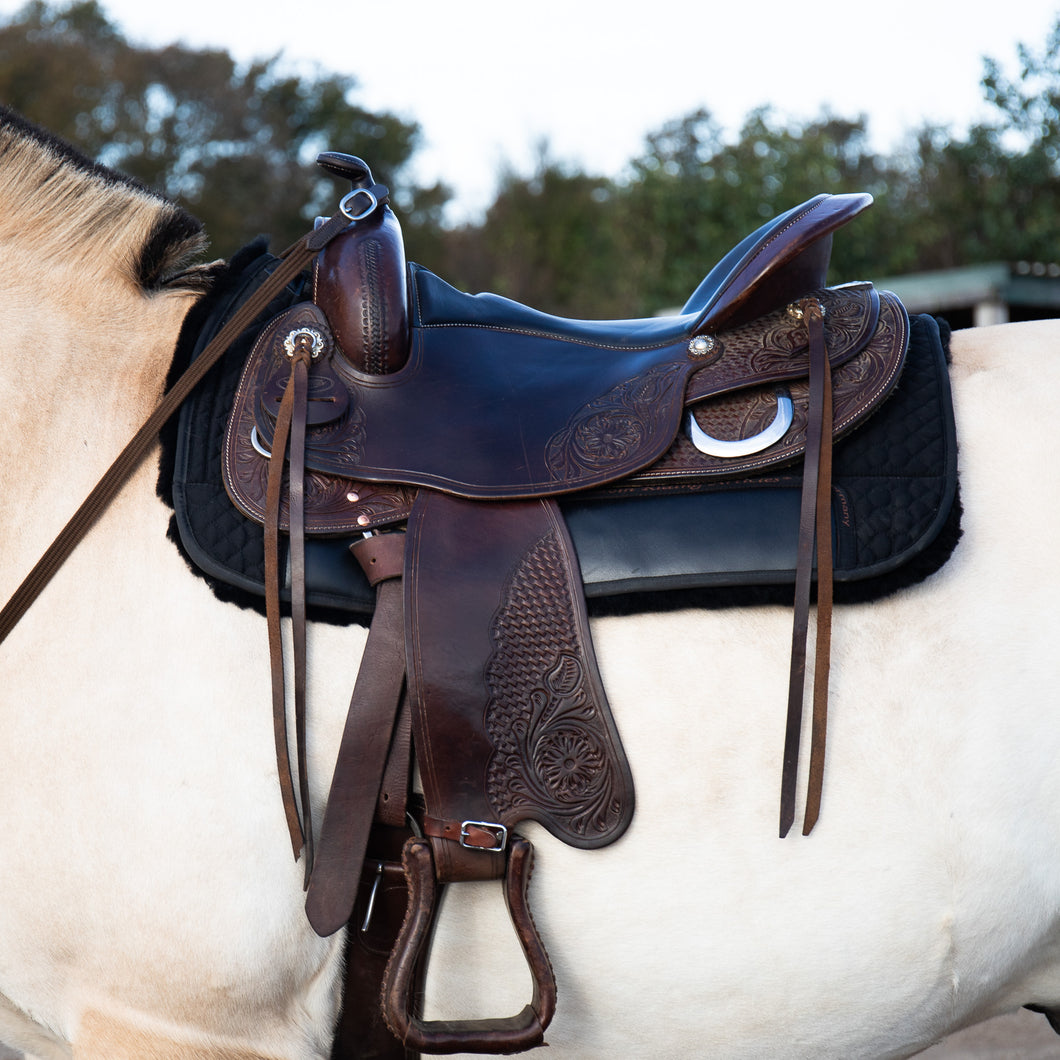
(815, 522)
(290, 428)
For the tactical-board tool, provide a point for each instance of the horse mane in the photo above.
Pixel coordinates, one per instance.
(64, 207)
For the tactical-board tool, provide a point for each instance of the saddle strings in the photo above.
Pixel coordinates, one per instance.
(823, 648)
(815, 521)
(290, 425)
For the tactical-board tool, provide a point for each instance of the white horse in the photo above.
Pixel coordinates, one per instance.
(149, 905)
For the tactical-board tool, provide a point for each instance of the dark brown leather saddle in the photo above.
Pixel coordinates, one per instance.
(440, 428)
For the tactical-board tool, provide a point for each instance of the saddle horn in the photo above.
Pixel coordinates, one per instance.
(359, 280)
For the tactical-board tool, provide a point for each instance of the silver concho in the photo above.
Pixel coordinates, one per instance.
(299, 337)
(795, 311)
(702, 345)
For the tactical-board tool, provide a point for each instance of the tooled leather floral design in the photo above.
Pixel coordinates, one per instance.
(858, 385)
(844, 325)
(342, 438)
(332, 504)
(775, 346)
(554, 759)
(617, 426)
(606, 437)
(570, 764)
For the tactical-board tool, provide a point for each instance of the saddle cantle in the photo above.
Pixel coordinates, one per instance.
(446, 427)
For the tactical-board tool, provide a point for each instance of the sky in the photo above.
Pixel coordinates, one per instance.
(489, 80)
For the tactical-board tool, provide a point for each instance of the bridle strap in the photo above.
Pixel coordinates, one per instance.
(293, 261)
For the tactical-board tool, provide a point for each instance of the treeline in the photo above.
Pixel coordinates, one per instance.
(235, 145)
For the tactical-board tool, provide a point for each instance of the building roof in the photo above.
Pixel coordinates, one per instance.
(1027, 284)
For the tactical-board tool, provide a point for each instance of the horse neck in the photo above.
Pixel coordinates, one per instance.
(84, 355)
(88, 316)
(79, 347)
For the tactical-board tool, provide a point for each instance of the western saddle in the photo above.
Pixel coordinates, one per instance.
(439, 429)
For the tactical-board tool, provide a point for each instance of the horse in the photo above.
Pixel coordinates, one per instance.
(151, 908)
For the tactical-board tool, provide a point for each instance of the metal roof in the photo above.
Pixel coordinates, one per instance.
(1015, 284)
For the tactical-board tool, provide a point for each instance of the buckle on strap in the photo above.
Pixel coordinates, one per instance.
(369, 201)
(472, 834)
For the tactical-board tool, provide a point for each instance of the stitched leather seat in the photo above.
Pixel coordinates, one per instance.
(437, 304)
(781, 260)
(537, 404)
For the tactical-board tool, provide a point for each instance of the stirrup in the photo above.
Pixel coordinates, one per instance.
(514, 1034)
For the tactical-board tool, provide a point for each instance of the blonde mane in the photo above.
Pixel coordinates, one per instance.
(60, 207)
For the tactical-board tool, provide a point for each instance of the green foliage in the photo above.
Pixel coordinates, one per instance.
(549, 239)
(1031, 104)
(692, 195)
(234, 145)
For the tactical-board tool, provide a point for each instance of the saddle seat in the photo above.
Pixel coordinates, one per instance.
(553, 416)
(783, 259)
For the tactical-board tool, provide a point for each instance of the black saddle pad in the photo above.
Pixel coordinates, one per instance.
(896, 514)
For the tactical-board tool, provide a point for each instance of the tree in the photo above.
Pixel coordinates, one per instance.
(234, 144)
(551, 240)
(691, 194)
(1030, 105)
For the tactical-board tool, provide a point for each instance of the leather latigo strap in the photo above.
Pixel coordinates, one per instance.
(367, 740)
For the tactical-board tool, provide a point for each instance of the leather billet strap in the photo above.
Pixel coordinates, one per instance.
(366, 743)
(526, 1029)
(815, 524)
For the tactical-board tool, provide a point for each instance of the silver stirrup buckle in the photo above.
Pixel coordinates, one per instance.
(498, 831)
